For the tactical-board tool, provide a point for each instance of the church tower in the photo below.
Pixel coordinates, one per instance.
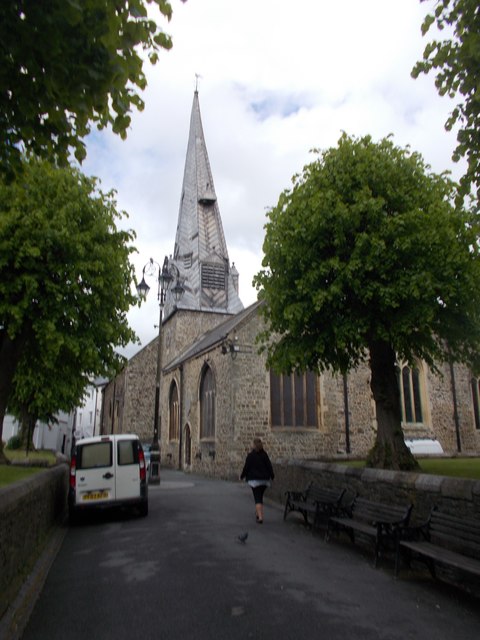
(200, 254)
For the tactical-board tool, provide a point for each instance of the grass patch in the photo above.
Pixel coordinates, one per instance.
(39, 458)
(11, 473)
(452, 467)
(26, 465)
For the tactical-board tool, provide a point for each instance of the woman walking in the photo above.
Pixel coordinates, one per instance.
(258, 472)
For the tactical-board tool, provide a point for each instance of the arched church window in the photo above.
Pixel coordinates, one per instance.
(293, 400)
(475, 383)
(410, 386)
(174, 413)
(207, 404)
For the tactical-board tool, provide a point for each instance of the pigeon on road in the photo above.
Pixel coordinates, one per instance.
(242, 537)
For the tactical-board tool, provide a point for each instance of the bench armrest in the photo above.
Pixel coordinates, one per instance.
(296, 495)
(416, 532)
(389, 523)
(395, 522)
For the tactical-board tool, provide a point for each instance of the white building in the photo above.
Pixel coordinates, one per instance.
(46, 436)
(83, 422)
(87, 416)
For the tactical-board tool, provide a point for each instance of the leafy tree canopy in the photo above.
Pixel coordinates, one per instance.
(65, 287)
(456, 58)
(366, 246)
(65, 64)
(366, 258)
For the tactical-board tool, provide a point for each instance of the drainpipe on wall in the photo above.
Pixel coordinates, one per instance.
(95, 412)
(180, 419)
(455, 407)
(347, 413)
(113, 405)
(102, 412)
(74, 427)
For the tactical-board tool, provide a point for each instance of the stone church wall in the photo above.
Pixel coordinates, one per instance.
(208, 456)
(113, 405)
(243, 403)
(440, 392)
(140, 393)
(134, 387)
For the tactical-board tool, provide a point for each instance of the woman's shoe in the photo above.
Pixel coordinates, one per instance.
(259, 521)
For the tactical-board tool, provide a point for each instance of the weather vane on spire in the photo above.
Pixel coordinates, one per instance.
(197, 76)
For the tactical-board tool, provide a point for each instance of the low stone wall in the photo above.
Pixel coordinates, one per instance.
(454, 495)
(28, 511)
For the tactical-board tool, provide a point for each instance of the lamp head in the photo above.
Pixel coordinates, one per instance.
(142, 288)
(178, 290)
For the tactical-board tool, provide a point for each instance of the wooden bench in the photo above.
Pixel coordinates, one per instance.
(376, 520)
(444, 539)
(316, 501)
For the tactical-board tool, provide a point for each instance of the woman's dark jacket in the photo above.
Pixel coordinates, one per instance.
(257, 466)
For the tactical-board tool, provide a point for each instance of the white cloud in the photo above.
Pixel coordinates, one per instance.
(278, 78)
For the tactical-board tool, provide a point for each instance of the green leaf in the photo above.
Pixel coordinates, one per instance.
(68, 288)
(87, 52)
(456, 61)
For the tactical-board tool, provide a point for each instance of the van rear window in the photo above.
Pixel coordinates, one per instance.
(127, 452)
(91, 456)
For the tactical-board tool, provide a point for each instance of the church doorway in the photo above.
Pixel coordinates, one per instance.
(187, 450)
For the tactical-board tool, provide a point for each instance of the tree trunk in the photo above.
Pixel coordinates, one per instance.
(389, 450)
(27, 427)
(10, 352)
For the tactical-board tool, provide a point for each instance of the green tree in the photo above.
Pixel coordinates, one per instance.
(65, 64)
(65, 287)
(367, 260)
(43, 385)
(456, 58)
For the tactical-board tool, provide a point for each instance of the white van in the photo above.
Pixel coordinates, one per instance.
(108, 471)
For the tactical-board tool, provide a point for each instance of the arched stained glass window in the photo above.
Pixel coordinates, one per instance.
(475, 383)
(411, 395)
(174, 413)
(207, 404)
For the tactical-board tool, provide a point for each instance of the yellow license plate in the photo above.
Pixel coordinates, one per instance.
(96, 495)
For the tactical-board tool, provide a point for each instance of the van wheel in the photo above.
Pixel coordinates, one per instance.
(143, 509)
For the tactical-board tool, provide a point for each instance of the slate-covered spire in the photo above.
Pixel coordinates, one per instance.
(200, 252)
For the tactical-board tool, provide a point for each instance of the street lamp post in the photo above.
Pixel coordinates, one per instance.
(165, 277)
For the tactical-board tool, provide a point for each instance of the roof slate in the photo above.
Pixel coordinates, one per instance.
(200, 238)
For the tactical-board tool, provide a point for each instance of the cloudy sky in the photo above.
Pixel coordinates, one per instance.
(278, 78)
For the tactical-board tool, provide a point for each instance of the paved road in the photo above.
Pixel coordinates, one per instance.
(181, 573)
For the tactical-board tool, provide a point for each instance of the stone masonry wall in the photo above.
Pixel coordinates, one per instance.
(139, 398)
(243, 411)
(457, 496)
(28, 511)
(134, 387)
(442, 412)
(243, 403)
(113, 405)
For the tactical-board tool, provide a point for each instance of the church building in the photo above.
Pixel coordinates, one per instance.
(216, 393)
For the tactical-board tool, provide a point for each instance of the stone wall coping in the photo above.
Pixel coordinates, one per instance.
(458, 488)
(430, 483)
(12, 493)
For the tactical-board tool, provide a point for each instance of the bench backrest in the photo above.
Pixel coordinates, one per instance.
(369, 511)
(322, 494)
(457, 534)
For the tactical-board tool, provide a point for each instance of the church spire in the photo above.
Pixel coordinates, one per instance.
(200, 252)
